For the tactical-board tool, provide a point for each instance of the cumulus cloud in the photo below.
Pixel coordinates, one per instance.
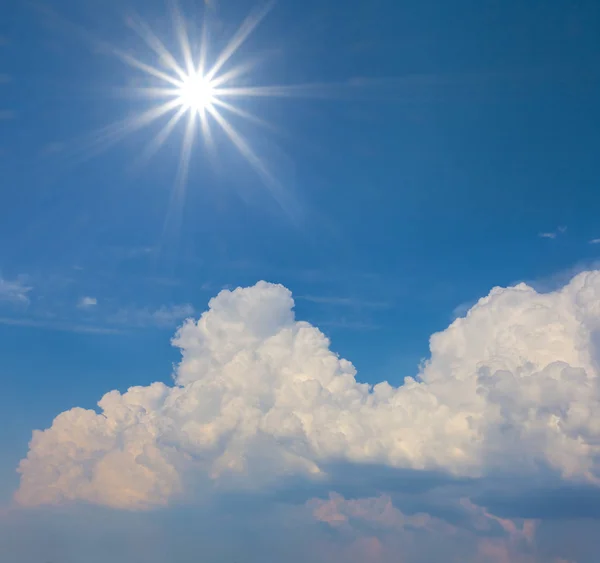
(511, 388)
(15, 291)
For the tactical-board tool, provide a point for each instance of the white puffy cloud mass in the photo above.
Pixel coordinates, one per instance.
(510, 388)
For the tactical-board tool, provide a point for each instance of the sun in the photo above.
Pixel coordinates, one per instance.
(198, 90)
(196, 93)
(186, 88)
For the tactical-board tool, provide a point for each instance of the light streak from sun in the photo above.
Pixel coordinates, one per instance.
(188, 86)
(196, 92)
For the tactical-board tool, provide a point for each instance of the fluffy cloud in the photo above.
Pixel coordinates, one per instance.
(510, 388)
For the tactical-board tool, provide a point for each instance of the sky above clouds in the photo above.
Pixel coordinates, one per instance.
(374, 337)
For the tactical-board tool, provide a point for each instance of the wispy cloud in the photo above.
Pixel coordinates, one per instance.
(463, 308)
(348, 324)
(158, 280)
(115, 323)
(162, 317)
(595, 241)
(139, 251)
(344, 301)
(553, 234)
(59, 325)
(87, 302)
(14, 291)
(52, 148)
(6, 114)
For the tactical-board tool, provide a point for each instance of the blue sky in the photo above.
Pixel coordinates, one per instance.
(456, 152)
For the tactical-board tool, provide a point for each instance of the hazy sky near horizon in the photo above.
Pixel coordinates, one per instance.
(357, 321)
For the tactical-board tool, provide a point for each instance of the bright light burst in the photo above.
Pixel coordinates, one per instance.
(195, 93)
(186, 89)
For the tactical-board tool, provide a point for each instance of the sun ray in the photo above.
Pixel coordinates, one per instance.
(175, 210)
(275, 187)
(186, 151)
(108, 136)
(147, 92)
(234, 73)
(161, 137)
(182, 37)
(244, 31)
(242, 113)
(189, 82)
(144, 31)
(242, 145)
(203, 54)
(148, 69)
(206, 130)
(207, 90)
(132, 124)
(284, 91)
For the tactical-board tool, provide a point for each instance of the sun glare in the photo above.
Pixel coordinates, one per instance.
(196, 93)
(186, 88)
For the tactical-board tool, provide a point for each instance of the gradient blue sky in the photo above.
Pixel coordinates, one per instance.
(464, 133)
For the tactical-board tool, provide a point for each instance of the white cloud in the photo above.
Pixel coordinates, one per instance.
(14, 291)
(510, 388)
(595, 241)
(87, 302)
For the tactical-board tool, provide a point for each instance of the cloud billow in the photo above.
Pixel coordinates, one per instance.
(509, 389)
